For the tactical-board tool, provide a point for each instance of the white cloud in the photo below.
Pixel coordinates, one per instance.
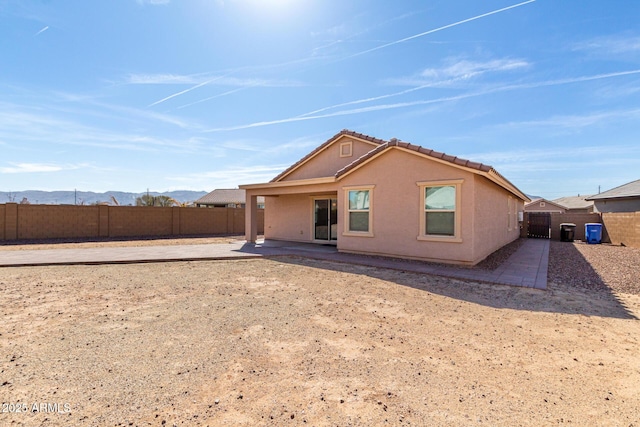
(456, 70)
(160, 79)
(575, 121)
(230, 177)
(153, 2)
(37, 167)
(611, 45)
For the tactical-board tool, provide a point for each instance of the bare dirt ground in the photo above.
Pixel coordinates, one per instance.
(292, 341)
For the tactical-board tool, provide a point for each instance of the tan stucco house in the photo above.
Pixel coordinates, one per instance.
(389, 198)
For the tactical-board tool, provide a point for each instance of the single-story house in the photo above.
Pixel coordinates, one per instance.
(544, 205)
(575, 204)
(225, 198)
(391, 198)
(625, 198)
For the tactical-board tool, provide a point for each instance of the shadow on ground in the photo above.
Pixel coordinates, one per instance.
(560, 298)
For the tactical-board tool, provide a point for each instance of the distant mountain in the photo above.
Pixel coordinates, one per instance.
(89, 197)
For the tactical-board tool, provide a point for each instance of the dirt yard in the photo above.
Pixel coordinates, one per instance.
(292, 341)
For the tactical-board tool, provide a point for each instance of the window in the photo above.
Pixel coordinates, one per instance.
(440, 215)
(509, 210)
(346, 149)
(358, 202)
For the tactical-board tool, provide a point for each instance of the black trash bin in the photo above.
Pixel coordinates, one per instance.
(567, 232)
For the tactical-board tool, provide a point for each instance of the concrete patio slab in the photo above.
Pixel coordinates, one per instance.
(527, 267)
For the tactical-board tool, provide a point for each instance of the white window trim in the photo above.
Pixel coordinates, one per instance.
(348, 144)
(348, 232)
(457, 227)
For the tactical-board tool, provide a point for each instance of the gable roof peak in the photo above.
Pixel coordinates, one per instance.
(343, 132)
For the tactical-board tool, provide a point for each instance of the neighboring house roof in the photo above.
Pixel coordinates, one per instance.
(382, 146)
(631, 189)
(547, 202)
(225, 196)
(574, 202)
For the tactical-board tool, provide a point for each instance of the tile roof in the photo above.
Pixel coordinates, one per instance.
(343, 132)
(631, 189)
(431, 153)
(225, 196)
(393, 142)
(574, 202)
(541, 199)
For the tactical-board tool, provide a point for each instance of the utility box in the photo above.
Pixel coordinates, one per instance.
(567, 232)
(593, 232)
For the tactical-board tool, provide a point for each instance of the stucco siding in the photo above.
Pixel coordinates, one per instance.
(396, 208)
(328, 161)
(495, 216)
(288, 218)
(624, 205)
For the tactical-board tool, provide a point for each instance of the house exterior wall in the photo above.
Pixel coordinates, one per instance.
(397, 213)
(288, 217)
(328, 161)
(396, 209)
(625, 205)
(496, 218)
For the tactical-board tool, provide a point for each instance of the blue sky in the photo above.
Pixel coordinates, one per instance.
(202, 94)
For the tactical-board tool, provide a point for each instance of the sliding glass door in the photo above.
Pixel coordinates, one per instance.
(325, 225)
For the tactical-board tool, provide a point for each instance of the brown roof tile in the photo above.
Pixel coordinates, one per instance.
(431, 153)
(225, 196)
(343, 132)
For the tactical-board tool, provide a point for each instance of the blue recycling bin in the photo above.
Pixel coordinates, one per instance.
(593, 232)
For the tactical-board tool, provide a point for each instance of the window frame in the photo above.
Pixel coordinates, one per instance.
(347, 211)
(509, 211)
(457, 219)
(349, 149)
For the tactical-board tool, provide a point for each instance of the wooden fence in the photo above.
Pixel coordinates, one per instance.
(33, 222)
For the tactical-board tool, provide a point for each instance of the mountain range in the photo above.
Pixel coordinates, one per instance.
(89, 197)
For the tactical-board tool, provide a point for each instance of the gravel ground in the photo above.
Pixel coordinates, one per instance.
(595, 268)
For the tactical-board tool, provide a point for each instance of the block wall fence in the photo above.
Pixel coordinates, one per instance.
(622, 228)
(33, 222)
(618, 228)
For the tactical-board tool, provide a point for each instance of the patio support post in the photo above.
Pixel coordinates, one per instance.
(251, 218)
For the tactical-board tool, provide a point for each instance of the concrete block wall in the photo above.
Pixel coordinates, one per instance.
(622, 228)
(30, 222)
(579, 219)
(57, 221)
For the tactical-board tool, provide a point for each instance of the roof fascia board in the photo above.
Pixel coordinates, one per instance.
(549, 202)
(327, 145)
(494, 177)
(281, 184)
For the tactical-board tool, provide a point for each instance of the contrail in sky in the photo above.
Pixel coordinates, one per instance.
(182, 92)
(41, 31)
(429, 101)
(439, 29)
